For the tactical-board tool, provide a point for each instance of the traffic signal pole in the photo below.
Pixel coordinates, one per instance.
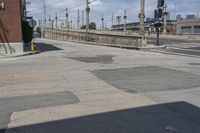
(158, 34)
(158, 15)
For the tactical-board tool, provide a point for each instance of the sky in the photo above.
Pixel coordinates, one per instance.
(107, 7)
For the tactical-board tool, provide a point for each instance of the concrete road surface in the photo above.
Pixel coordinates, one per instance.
(80, 88)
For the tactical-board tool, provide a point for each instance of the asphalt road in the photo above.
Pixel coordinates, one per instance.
(80, 88)
(170, 41)
(185, 47)
(20, 103)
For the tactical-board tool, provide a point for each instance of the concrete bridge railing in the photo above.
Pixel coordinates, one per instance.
(94, 37)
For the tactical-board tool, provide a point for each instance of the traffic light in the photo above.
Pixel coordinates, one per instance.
(161, 3)
(160, 13)
(157, 25)
(155, 14)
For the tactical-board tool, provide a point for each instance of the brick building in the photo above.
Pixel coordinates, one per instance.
(11, 26)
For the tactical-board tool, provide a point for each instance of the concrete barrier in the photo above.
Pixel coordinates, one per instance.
(94, 37)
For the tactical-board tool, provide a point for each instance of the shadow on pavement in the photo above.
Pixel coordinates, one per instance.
(43, 47)
(180, 117)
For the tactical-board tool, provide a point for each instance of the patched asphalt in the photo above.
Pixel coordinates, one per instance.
(21, 103)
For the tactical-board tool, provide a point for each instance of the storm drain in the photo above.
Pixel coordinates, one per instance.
(148, 79)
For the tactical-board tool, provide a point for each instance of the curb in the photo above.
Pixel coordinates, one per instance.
(19, 55)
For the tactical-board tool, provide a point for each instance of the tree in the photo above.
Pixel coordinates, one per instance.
(92, 26)
(38, 30)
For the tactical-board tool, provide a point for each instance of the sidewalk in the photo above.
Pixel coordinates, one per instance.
(18, 54)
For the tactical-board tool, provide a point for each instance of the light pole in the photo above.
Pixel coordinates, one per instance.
(87, 18)
(67, 19)
(175, 7)
(87, 15)
(142, 16)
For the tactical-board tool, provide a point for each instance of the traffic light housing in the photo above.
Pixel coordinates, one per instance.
(160, 13)
(155, 14)
(157, 25)
(161, 3)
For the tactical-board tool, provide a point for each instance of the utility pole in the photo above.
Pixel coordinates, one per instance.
(49, 21)
(56, 18)
(142, 16)
(119, 20)
(67, 19)
(112, 19)
(102, 20)
(83, 17)
(125, 17)
(52, 24)
(71, 24)
(165, 19)
(87, 18)
(45, 21)
(87, 15)
(78, 20)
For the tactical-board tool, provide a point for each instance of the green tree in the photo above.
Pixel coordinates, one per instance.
(38, 30)
(92, 26)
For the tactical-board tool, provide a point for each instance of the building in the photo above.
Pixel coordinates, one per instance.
(179, 17)
(192, 16)
(11, 15)
(188, 26)
(148, 24)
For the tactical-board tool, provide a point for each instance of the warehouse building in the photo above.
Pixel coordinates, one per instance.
(188, 26)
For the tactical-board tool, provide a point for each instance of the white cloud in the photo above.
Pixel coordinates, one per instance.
(107, 7)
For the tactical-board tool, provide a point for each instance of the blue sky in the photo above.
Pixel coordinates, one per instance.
(107, 7)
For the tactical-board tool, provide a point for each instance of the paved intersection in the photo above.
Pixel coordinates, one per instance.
(111, 90)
